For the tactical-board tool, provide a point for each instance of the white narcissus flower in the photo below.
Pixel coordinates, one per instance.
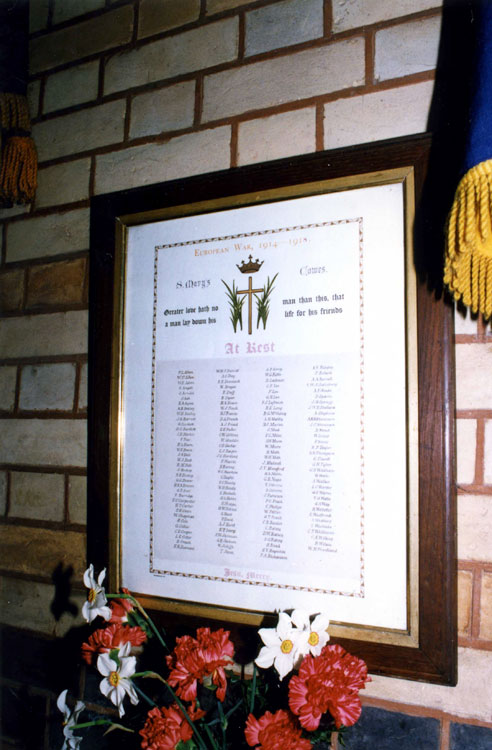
(314, 635)
(96, 603)
(116, 683)
(281, 645)
(71, 742)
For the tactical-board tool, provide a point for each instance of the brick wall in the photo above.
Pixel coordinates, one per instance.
(125, 93)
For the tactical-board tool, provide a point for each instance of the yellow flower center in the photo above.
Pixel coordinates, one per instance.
(286, 646)
(114, 679)
(91, 596)
(313, 639)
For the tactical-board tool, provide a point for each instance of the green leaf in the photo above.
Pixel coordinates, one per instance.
(113, 726)
(114, 655)
(234, 708)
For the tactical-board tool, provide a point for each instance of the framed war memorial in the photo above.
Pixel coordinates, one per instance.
(265, 374)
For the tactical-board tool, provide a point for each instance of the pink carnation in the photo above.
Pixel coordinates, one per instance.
(165, 728)
(200, 660)
(328, 682)
(105, 639)
(278, 731)
(120, 609)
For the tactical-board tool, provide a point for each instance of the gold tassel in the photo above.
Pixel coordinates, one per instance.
(18, 173)
(468, 262)
(14, 112)
(18, 167)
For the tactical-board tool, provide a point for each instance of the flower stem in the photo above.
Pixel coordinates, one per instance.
(152, 625)
(223, 725)
(210, 737)
(142, 694)
(253, 690)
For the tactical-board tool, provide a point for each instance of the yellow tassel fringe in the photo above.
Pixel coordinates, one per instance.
(18, 167)
(468, 262)
(14, 113)
(18, 173)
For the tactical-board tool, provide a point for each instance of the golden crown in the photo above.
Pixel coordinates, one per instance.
(251, 266)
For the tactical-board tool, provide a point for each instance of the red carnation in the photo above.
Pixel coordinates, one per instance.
(164, 728)
(105, 639)
(120, 609)
(328, 682)
(278, 731)
(200, 660)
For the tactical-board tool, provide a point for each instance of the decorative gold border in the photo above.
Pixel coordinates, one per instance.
(405, 176)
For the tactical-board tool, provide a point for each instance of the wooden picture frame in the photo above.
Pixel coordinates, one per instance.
(122, 225)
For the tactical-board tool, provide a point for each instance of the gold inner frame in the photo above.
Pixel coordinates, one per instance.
(402, 175)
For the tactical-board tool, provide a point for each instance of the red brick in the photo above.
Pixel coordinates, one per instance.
(11, 290)
(465, 590)
(35, 551)
(486, 607)
(86, 38)
(60, 283)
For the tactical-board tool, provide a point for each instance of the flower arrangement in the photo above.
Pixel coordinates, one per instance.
(206, 702)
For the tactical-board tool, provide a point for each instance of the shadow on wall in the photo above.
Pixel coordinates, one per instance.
(61, 604)
(448, 122)
(34, 669)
